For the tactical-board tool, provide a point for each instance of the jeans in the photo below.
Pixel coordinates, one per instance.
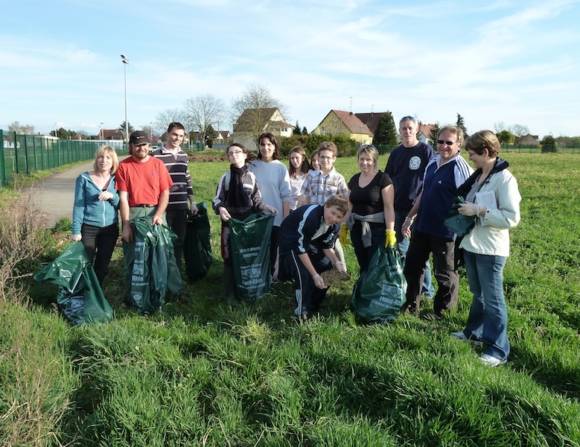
(99, 243)
(488, 317)
(177, 221)
(443, 251)
(403, 246)
(364, 254)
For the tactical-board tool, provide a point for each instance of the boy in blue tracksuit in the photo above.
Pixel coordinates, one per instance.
(307, 238)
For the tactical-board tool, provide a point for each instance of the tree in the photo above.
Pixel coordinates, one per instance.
(434, 135)
(304, 131)
(201, 112)
(386, 133)
(519, 130)
(26, 129)
(296, 130)
(164, 118)
(256, 97)
(506, 137)
(499, 126)
(548, 144)
(210, 135)
(122, 129)
(461, 124)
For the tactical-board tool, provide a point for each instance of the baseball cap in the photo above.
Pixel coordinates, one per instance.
(138, 137)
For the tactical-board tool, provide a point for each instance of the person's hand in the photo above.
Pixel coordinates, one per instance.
(470, 209)
(127, 234)
(318, 281)
(270, 210)
(340, 266)
(157, 219)
(76, 237)
(105, 195)
(406, 228)
(192, 206)
(224, 215)
(390, 238)
(343, 234)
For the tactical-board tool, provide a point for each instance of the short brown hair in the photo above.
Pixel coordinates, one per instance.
(370, 150)
(339, 202)
(328, 146)
(484, 139)
(110, 151)
(454, 130)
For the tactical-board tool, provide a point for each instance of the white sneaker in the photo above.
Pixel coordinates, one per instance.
(491, 361)
(459, 336)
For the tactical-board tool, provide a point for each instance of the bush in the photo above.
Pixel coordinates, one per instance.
(548, 144)
(346, 146)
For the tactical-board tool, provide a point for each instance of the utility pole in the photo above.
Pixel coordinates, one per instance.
(125, 61)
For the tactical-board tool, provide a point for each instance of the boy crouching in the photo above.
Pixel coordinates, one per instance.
(307, 238)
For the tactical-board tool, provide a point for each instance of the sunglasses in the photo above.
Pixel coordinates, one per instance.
(446, 142)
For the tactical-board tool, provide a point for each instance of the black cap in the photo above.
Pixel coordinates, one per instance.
(138, 137)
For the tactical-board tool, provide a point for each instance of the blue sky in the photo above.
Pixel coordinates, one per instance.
(514, 62)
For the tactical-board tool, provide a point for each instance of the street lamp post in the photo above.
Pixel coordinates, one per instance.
(125, 61)
(101, 133)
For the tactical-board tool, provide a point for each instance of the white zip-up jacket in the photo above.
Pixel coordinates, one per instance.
(490, 235)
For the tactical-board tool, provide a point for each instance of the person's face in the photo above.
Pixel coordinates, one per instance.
(315, 163)
(237, 156)
(447, 145)
(366, 163)
(175, 137)
(326, 160)
(296, 160)
(140, 151)
(408, 132)
(333, 215)
(267, 149)
(479, 160)
(104, 162)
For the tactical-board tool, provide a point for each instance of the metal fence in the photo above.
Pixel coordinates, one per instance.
(25, 154)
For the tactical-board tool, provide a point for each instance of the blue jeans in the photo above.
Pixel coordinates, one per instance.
(403, 246)
(488, 317)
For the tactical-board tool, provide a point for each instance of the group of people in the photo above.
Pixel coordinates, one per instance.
(314, 209)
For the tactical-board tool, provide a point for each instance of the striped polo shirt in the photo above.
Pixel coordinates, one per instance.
(177, 165)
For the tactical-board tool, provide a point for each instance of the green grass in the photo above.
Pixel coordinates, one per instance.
(205, 373)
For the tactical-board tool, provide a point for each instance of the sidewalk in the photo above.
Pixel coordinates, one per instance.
(54, 196)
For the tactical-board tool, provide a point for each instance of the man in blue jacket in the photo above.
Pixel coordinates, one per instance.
(307, 238)
(443, 176)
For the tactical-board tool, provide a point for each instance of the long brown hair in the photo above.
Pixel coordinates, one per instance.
(304, 167)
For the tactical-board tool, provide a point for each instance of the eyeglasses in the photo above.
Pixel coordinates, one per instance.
(235, 152)
(324, 157)
(446, 142)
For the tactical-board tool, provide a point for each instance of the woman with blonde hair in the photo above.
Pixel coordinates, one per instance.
(96, 202)
(492, 196)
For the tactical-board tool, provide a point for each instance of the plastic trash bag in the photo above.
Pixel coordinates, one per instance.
(197, 245)
(80, 297)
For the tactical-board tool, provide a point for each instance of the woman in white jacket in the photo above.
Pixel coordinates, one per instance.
(492, 196)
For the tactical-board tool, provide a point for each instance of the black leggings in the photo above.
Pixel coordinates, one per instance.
(99, 244)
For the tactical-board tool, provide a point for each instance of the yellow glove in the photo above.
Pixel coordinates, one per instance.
(390, 238)
(343, 234)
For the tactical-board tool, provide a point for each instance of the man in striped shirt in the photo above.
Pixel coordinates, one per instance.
(181, 193)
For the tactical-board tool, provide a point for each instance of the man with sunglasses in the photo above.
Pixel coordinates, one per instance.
(406, 168)
(443, 176)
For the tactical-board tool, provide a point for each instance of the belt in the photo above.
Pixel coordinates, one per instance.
(143, 206)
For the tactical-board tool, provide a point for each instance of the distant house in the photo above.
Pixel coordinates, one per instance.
(340, 122)
(222, 136)
(424, 132)
(528, 141)
(252, 122)
(111, 134)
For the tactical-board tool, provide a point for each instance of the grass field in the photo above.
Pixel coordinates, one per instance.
(204, 373)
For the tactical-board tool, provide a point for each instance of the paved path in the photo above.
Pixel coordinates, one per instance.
(54, 195)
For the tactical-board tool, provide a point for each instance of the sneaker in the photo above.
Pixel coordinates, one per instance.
(432, 316)
(491, 361)
(459, 336)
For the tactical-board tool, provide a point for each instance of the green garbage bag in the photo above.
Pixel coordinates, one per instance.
(379, 293)
(151, 266)
(250, 255)
(458, 223)
(80, 297)
(197, 246)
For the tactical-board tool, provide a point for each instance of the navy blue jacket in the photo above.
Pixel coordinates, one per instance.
(299, 227)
